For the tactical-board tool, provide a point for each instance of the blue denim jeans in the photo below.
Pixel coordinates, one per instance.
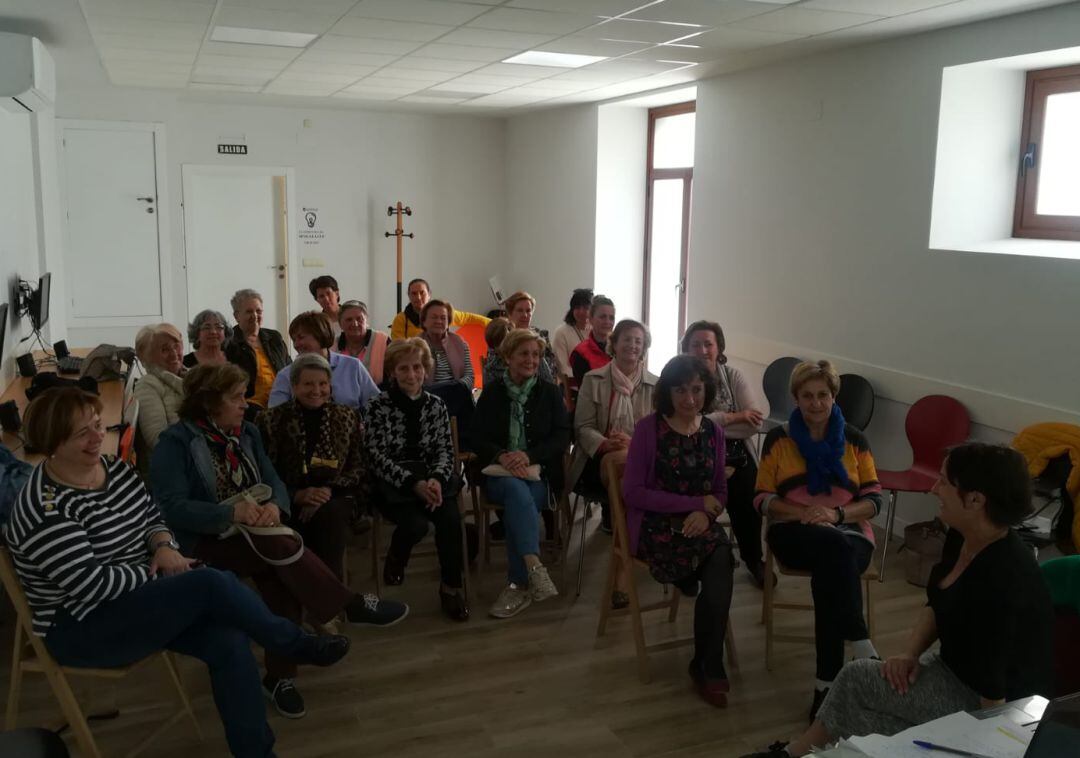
(205, 613)
(522, 502)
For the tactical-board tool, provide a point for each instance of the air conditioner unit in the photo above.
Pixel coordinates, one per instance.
(27, 74)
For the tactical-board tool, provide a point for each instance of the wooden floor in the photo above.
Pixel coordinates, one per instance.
(539, 684)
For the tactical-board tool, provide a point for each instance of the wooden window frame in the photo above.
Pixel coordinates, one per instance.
(1026, 222)
(651, 175)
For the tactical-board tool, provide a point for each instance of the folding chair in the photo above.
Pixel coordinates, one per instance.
(30, 655)
(622, 557)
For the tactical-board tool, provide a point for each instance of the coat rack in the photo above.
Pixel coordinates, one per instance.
(399, 210)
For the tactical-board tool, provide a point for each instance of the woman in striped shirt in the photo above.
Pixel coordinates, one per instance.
(108, 586)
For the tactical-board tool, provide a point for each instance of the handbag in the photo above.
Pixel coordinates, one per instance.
(673, 557)
(261, 493)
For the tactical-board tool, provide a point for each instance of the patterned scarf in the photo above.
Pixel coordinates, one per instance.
(621, 418)
(725, 399)
(519, 395)
(226, 446)
(824, 458)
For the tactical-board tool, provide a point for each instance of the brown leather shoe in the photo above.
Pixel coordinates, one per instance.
(712, 691)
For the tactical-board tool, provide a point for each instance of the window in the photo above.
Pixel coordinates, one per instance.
(670, 175)
(1048, 188)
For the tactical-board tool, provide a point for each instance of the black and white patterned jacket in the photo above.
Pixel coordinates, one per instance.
(388, 433)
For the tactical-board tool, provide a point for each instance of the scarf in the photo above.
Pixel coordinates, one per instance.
(621, 417)
(725, 398)
(519, 395)
(411, 314)
(226, 446)
(824, 458)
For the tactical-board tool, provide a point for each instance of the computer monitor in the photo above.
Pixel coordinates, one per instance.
(39, 302)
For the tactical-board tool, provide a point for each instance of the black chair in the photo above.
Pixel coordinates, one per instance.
(777, 386)
(32, 743)
(856, 400)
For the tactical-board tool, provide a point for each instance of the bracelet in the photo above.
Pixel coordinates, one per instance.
(840, 516)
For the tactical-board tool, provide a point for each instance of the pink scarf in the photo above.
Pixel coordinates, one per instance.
(621, 418)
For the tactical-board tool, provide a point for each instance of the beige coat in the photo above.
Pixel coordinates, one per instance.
(159, 394)
(591, 414)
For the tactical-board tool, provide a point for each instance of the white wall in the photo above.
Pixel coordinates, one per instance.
(550, 207)
(350, 165)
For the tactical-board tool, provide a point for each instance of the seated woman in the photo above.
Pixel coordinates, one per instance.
(520, 308)
(494, 334)
(206, 332)
(520, 421)
(261, 353)
(359, 340)
(818, 487)
(212, 455)
(411, 451)
(611, 402)
(450, 352)
(574, 329)
(316, 446)
(350, 382)
(108, 586)
(161, 389)
(987, 604)
(675, 488)
(737, 411)
(409, 323)
(592, 353)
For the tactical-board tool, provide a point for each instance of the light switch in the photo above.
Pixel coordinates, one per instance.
(313, 263)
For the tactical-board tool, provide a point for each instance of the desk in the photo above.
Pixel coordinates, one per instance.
(112, 397)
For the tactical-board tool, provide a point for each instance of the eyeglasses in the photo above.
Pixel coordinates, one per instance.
(212, 328)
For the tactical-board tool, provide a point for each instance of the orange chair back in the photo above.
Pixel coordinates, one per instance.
(473, 334)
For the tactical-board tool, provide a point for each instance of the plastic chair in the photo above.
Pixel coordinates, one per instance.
(856, 400)
(473, 334)
(777, 386)
(933, 424)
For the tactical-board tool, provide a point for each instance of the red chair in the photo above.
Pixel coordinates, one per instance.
(934, 424)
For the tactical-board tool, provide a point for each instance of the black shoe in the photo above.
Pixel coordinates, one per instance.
(454, 605)
(285, 697)
(819, 698)
(775, 750)
(321, 649)
(393, 571)
(369, 610)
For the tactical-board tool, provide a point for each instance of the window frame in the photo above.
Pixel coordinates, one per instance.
(1041, 83)
(654, 174)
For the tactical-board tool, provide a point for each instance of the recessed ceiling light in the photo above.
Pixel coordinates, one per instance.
(564, 60)
(261, 36)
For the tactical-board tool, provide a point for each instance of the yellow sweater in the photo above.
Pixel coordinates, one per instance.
(1040, 444)
(402, 328)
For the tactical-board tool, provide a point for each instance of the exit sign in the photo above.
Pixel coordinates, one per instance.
(232, 149)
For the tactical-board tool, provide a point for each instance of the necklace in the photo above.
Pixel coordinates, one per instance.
(91, 484)
(691, 429)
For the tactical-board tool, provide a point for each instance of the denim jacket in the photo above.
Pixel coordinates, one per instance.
(185, 485)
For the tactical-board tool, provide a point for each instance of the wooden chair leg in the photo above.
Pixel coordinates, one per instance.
(673, 606)
(15, 688)
(605, 596)
(729, 644)
(487, 537)
(69, 706)
(639, 632)
(767, 598)
(185, 702)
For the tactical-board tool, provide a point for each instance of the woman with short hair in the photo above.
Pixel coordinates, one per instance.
(675, 487)
(494, 334)
(987, 605)
(108, 586)
(737, 411)
(204, 471)
(521, 424)
(574, 329)
(316, 447)
(206, 333)
(260, 352)
(359, 340)
(817, 486)
(350, 382)
(520, 308)
(592, 353)
(453, 361)
(411, 450)
(161, 389)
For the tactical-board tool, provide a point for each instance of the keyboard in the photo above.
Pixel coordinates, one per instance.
(69, 365)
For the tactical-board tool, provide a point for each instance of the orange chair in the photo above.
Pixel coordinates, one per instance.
(473, 334)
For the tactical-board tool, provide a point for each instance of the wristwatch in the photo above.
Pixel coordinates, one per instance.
(169, 543)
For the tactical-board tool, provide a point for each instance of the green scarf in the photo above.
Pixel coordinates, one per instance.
(519, 395)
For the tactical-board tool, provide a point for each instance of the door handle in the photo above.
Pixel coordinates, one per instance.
(145, 199)
(277, 267)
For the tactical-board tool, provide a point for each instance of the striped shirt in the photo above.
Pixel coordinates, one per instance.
(445, 373)
(75, 549)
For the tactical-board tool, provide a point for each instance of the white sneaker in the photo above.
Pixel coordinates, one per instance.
(540, 585)
(511, 601)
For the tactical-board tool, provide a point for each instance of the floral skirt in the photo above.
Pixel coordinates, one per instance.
(671, 556)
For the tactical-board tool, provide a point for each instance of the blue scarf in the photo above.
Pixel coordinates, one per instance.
(824, 458)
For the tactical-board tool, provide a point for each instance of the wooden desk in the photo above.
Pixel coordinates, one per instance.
(112, 397)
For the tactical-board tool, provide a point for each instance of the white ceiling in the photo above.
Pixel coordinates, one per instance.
(445, 55)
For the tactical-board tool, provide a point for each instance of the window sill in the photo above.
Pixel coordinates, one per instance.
(1018, 246)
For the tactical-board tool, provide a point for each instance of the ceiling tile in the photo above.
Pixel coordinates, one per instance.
(119, 55)
(281, 21)
(537, 22)
(300, 77)
(803, 21)
(374, 28)
(237, 50)
(641, 31)
(305, 67)
(877, 7)
(590, 7)
(334, 7)
(152, 68)
(402, 86)
(587, 46)
(416, 75)
(474, 89)
(316, 57)
(261, 64)
(338, 44)
(224, 87)
(722, 40)
(109, 41)
(427, 11)
(303, 89)
(228, 74)
(421, 63)
(706, 12)
(139, 79)
(506, 81)
(432, 99)
(488, 38)
(466, 53)
(368, 94)
(159, 10)
(145, 27)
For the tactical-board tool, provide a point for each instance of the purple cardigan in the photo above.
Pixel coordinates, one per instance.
(640, 492)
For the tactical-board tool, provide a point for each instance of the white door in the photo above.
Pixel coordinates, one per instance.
(236, 237)
(113, 261)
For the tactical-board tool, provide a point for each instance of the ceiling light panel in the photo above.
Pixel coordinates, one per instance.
(588, 46)
(515, 71)
(426, 11)
(559, 60)
(272, 37)
(352, 26)
(642, 31)
(235, 50)
(804, 21)
(538, 22)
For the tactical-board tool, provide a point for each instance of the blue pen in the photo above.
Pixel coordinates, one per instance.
(952, 750)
